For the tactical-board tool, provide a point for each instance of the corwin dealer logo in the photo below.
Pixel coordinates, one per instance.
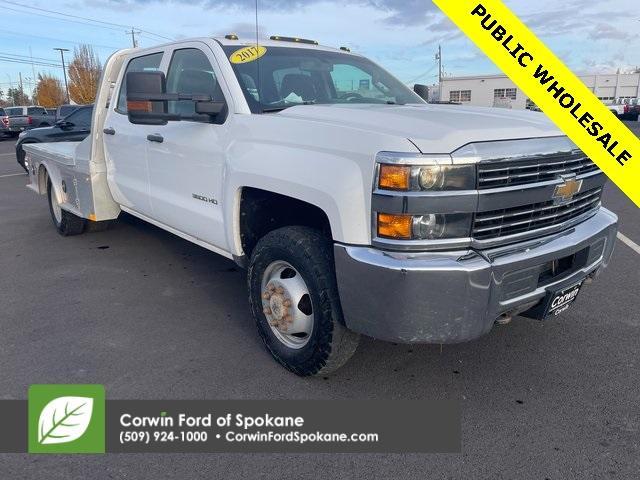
(66, 419)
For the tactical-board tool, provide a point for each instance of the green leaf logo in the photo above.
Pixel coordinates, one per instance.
(64, 419)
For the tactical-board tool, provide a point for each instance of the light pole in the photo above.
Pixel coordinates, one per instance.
(64, 70)
(439, 59)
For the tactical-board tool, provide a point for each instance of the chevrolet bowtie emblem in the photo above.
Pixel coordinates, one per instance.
(566, 190)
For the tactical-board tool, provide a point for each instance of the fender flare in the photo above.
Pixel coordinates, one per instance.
(44, 175)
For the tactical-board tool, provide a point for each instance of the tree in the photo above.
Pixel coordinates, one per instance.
(16, 96)
(84, 75)
(49, 91)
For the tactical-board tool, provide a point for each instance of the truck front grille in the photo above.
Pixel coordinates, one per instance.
(505, 173)
(525, 218)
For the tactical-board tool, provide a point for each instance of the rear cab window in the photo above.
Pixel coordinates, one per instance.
(146, 63)
(14, 112)
(36, 111)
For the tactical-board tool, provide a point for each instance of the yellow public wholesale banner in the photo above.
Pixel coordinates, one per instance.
(552, 86)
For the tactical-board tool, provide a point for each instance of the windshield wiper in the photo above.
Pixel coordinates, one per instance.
(282, 107)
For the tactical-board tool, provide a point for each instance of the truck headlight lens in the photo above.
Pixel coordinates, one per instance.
(431, 226)
(434, 177)
(430, 177)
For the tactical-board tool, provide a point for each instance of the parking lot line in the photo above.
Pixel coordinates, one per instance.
(7, 154)
(630, 243)
(12, 175)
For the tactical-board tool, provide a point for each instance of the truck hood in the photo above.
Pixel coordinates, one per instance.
(431, 128)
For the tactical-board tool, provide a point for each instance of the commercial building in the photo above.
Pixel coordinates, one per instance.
(500, 91)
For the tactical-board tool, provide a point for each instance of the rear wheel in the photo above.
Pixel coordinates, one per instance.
(66, 223)
(294, 301)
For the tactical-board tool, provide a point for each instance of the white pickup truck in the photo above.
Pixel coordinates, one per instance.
(355, 207)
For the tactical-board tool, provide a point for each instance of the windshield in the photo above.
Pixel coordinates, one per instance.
(304, 76)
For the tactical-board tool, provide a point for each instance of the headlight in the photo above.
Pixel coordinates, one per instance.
(431, 226)
(420, 199)
(434, 177)
(22, 134)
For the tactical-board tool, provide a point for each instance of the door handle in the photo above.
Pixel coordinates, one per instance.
(109, 131)
(155, 138)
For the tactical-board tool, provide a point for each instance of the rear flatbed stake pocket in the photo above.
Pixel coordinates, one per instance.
(355, 207)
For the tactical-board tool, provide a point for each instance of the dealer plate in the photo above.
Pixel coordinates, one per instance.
(555, 302)
(561, 300)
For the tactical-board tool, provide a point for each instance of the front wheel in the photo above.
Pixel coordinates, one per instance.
(294, 301)
(66, 223)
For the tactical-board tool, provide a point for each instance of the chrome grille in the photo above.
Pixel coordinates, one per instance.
(504, 173)
(525, 218)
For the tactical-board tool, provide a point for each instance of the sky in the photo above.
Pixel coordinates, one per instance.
(402, 35)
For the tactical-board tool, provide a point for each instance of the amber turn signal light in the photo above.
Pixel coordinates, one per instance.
(142, 105)
(394, 177)
(394, 226)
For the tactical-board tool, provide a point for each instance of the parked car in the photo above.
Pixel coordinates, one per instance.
(356, 207)
(25, 117)
(4, 124)
(73, 128)
(64, 110)
(634, 109)
(625, 108)
(51, 111)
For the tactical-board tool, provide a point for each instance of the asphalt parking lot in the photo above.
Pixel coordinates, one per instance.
(152, 316)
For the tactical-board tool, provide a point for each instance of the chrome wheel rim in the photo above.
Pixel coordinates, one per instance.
(55, 206)
(286, 304)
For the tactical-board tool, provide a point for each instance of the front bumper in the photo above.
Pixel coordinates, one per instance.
(452, 297)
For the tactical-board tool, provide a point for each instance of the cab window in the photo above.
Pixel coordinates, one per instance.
(190, 72)
(147, 63)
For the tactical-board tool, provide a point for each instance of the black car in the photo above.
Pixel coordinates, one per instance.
(65, 110)
(73, 128)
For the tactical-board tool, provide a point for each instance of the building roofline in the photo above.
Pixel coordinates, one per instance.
(499, 75)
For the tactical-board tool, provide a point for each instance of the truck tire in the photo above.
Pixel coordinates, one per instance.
(66, 223)
(295, 303)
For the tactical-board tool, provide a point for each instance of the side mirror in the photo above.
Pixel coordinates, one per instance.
(144, 103)
(64, 125)
(147, 100)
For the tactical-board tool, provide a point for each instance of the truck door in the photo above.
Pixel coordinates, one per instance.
(186, 158)
(125, 145)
